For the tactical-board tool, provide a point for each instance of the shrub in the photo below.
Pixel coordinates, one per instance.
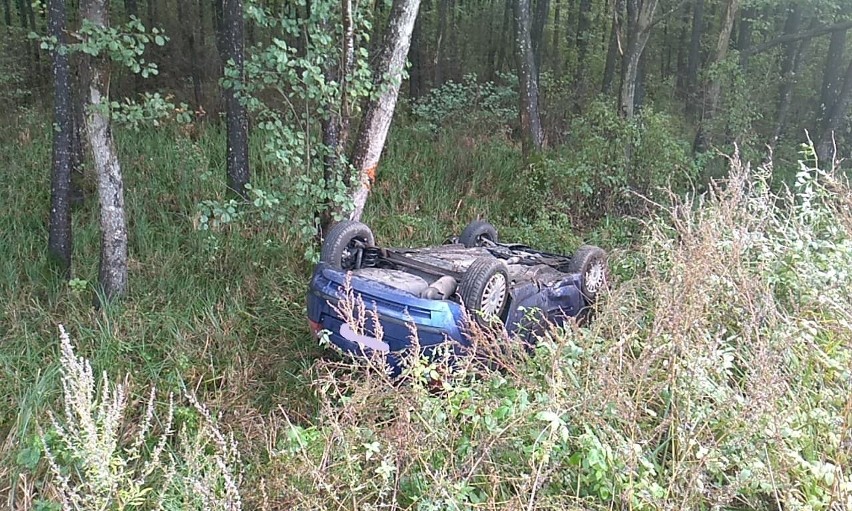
(469, 103)
(605, 163)
(99, 458)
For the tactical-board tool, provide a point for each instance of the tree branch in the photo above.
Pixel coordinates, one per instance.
(668, 14)
(789, 38)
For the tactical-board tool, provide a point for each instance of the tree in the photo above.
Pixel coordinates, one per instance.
(791, 65)
(640, 15)
(232, 41)
(839, 110)
(112, 274)
(584, 27)
(59, 239)
(612, 47)
(713, 89)
(379, 111)
(831, 78)
(532, 134)
(537, 31)
(441, 42)
(694, 58)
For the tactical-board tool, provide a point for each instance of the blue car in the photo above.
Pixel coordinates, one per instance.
(357, 284)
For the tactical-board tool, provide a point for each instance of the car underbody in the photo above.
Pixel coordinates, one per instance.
(432, 292)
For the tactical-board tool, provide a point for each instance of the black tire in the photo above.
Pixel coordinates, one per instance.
(590, 262)
(485, 275)
(477, 231)
(340, 245)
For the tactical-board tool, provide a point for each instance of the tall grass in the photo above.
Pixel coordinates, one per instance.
(715, 375)
(221, 314)
(716, 378)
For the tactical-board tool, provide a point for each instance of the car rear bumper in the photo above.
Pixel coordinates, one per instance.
(435, 321)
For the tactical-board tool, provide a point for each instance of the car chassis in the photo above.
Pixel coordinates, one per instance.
(437, 289)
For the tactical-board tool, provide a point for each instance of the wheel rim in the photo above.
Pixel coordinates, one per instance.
(494, 294)
(483, 239)
(595, 277)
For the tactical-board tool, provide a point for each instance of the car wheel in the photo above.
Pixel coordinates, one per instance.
(476, 232)
(344, 240)
(484, 288)
(590, 262)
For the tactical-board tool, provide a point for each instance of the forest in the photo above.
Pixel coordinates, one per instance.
(172, 166)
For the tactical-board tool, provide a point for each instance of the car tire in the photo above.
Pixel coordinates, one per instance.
(477, 231)
(484, 288)
(590, 262)
(343, 239)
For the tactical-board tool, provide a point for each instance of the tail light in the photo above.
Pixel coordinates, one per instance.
(315, 327)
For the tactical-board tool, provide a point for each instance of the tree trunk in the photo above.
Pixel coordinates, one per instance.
(451, 49)
(584, 25)
(831, 79)
(791, 65)
(441, 42)
(682, 43)
(237, 117)
(415, 76)
(132, 8)
(613, 47)
(379, 111)
(840, 107)
(112, 274)
(532, 134)
(506, 33)
(713, 91)
(7, 13)
(666, 54)
(187, 33)
(640, 15)
(59, 241)
(79, 139)
(542, 7)
(556, 58)
(744, 36)
(694, 59)
(572, 12)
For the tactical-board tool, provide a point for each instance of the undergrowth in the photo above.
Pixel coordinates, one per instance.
(717, 377)
(715, 373)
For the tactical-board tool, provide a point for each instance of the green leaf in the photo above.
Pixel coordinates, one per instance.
(29, 457)
(159, 40)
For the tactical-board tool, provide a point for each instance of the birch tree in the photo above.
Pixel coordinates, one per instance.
(640, 15)
(379, 111)
(112, 273)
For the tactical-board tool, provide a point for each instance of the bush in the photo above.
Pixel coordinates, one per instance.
(469, 103)
(606, 163)
(101, 459)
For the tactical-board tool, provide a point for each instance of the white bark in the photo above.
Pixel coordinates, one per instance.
(640, 18)
(379, 112)
(112, 273)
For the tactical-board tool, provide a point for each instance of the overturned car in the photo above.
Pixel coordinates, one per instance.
(430, 289)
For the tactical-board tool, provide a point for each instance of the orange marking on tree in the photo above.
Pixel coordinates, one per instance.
(371, 173)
